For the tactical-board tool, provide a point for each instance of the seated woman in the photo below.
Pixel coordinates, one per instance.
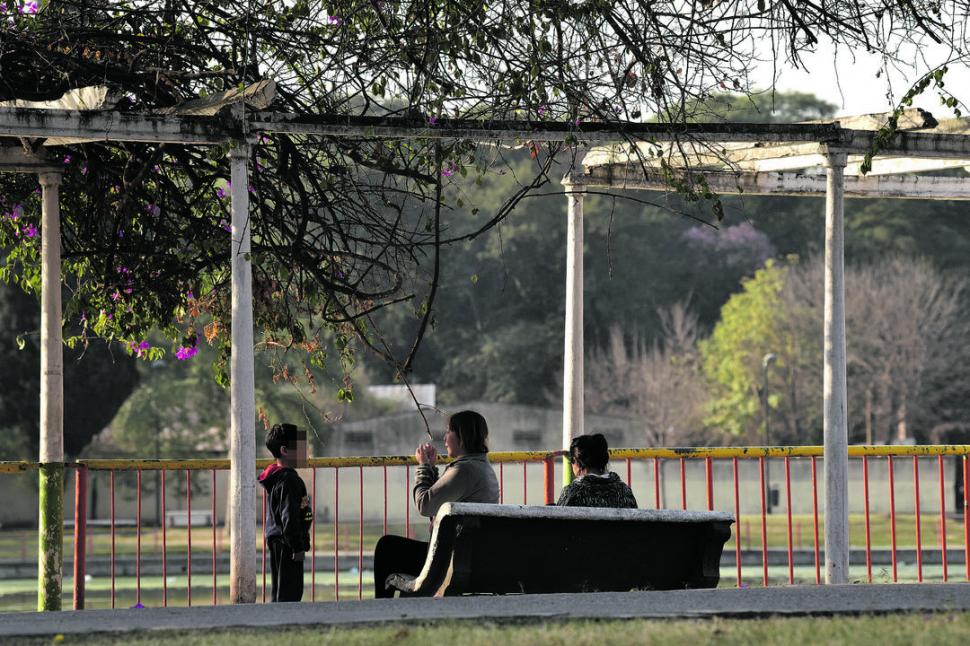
(469, 478)
(593, 486)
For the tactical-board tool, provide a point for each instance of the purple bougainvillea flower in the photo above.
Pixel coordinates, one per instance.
(67, 159)
(579, 121)
(184, 353)
(3, 6)
(432, 121)
(136, 606)
(450, 169)
(115, 295)
(30, 231)
(220, 193)
(154, 209)
(252, 189)
(189, 295)
(542, 110)
(335, 20)
(225, 225)
(18, 210)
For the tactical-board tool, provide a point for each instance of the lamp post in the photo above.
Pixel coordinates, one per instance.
(766, 362)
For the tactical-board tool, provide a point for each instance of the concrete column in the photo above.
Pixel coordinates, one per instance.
(50, 525)
(242, 393)
(833, 380)
(572, 397)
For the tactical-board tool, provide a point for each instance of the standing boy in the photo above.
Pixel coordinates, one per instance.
(288, 512)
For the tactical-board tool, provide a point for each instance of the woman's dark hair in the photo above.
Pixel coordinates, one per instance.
(590, 452)
(471, 429)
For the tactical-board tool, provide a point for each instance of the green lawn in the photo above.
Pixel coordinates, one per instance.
(937, 629)
(21, 544)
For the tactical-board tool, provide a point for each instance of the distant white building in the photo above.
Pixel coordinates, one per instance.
(426, 394)
(511, 427)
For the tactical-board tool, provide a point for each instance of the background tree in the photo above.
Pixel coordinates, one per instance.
(660, 385)
(342, 229)
(97, 380)
(906, 339)
(754, 323)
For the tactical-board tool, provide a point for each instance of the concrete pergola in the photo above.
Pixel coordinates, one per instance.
(760, 158)
(758, 162)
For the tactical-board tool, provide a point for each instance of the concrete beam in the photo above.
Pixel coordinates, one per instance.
(914, 187)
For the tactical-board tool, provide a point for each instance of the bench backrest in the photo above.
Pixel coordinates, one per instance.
(483, 548)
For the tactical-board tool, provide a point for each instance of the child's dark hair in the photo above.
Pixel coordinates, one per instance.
(590, 452)
(281, 435)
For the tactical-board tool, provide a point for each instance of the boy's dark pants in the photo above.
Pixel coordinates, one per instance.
(287, 573)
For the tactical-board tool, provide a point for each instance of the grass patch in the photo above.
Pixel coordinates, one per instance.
(884, 630)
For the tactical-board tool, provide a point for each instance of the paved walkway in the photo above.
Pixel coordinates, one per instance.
(789, 601)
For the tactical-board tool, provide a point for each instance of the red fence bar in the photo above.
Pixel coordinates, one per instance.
(525, 484)
(709, 480)
(111, 487)
(80, 532)
(892, 515)
(164, 547)
(865, 496)
(966, 515)
(360, 537)
(818, 569)
(313, 530)
(683, 485)
(138, 538)
(215, 597)
(919, 542)
(939, 461)
(764, 523)
(188, 534)
(264, 545)
(791, 562)
(658, 503)
(549, 469)
(629, 473)
(336, 532)
(737, 522)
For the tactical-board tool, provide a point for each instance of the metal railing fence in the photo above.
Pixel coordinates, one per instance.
(714, 477)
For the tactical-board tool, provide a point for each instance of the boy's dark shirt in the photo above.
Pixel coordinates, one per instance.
(288, 511)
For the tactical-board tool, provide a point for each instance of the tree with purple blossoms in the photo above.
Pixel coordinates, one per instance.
(345, 228)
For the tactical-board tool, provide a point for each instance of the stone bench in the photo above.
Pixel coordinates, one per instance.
(500, 549)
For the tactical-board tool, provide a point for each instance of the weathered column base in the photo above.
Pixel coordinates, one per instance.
(50, 536)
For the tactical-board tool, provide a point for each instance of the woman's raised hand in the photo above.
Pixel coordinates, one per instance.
(426, 454)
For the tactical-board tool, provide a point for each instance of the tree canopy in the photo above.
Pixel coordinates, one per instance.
(343, 228)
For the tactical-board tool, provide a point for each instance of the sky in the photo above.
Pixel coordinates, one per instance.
(849, 80)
